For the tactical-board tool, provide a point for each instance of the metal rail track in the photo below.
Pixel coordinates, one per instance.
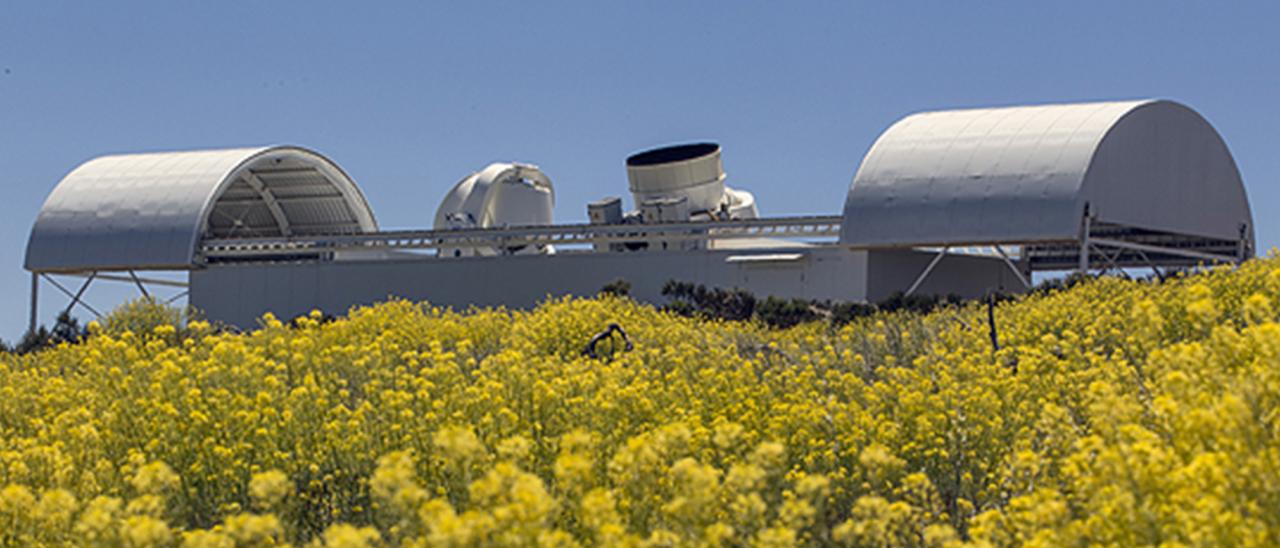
(1139, 248)
(808, 227)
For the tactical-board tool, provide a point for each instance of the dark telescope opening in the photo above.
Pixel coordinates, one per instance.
(674, 153)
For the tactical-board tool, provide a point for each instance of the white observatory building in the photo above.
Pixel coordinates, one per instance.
(950, 202)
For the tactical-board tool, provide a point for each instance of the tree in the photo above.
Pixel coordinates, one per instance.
(66, 329)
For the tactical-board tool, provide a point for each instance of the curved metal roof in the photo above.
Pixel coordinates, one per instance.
(1023, 174)
(149, 211)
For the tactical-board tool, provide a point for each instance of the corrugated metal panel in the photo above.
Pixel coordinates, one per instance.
(149, 211)
(1026, 173)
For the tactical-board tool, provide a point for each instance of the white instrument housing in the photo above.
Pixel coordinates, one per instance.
(692, 172)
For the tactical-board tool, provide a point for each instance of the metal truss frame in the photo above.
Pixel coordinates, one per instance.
(76, 298)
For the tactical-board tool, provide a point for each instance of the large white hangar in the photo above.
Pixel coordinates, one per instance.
(949, 202)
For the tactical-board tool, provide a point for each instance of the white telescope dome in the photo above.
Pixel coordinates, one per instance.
(498, 196)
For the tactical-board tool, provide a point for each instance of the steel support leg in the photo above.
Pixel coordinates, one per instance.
(141, 287)
(1109, 260)
(1084, 245)
(35, 302)
(72, 296)
(176, 297)
(927, 270)
(83, 287)
(1154, 268)
(1025, 282)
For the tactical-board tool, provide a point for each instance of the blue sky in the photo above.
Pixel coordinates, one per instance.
(411, 97)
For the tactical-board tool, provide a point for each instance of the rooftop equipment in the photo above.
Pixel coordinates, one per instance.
(692, 172)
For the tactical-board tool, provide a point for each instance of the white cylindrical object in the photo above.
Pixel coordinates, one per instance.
(692, 171)
(665, 210)
(605, 212)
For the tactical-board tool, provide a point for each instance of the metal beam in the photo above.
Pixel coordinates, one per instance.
(83, 287)
(176, 297)
(331, 227)
(1113, 261)
(237, 222)
(1106, 258)
(919, 280)
(1165, 250)
(118, 278)
(35, 302)
(1040, 255)
(1025, 283)
(270, 199)
(786, 227)
(1084, 242)
(1154, 268)
(68, 293)
(138, 282)
(276, 170)
(281, 199)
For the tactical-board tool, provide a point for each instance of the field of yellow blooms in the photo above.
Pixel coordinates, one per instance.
(1117, 412)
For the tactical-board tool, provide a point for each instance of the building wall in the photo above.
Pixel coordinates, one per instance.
(968, 276)
(239, 294)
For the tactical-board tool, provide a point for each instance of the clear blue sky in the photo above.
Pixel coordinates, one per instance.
(409, 98)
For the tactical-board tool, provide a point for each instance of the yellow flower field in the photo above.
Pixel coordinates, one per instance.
(1117, 412)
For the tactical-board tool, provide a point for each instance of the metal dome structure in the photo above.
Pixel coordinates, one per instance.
(151, 211)
(1149, 173)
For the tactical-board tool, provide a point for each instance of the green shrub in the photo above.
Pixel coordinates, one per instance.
(144, 315)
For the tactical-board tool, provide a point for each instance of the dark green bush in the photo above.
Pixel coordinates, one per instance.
(714, 303)
(66, 329)
(689, 299)
(617, 288)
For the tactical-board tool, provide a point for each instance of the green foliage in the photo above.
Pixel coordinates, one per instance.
(783, 313)
(844, 312)
(709, 303)
(66, 329)
(144, 315)
(696, 300)
(618, 288)
(918, 303)
(1052, 285)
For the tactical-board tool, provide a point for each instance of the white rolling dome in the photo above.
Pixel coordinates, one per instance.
(498, 196)
(501, 194)
(1025, 174)
(150, 211)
